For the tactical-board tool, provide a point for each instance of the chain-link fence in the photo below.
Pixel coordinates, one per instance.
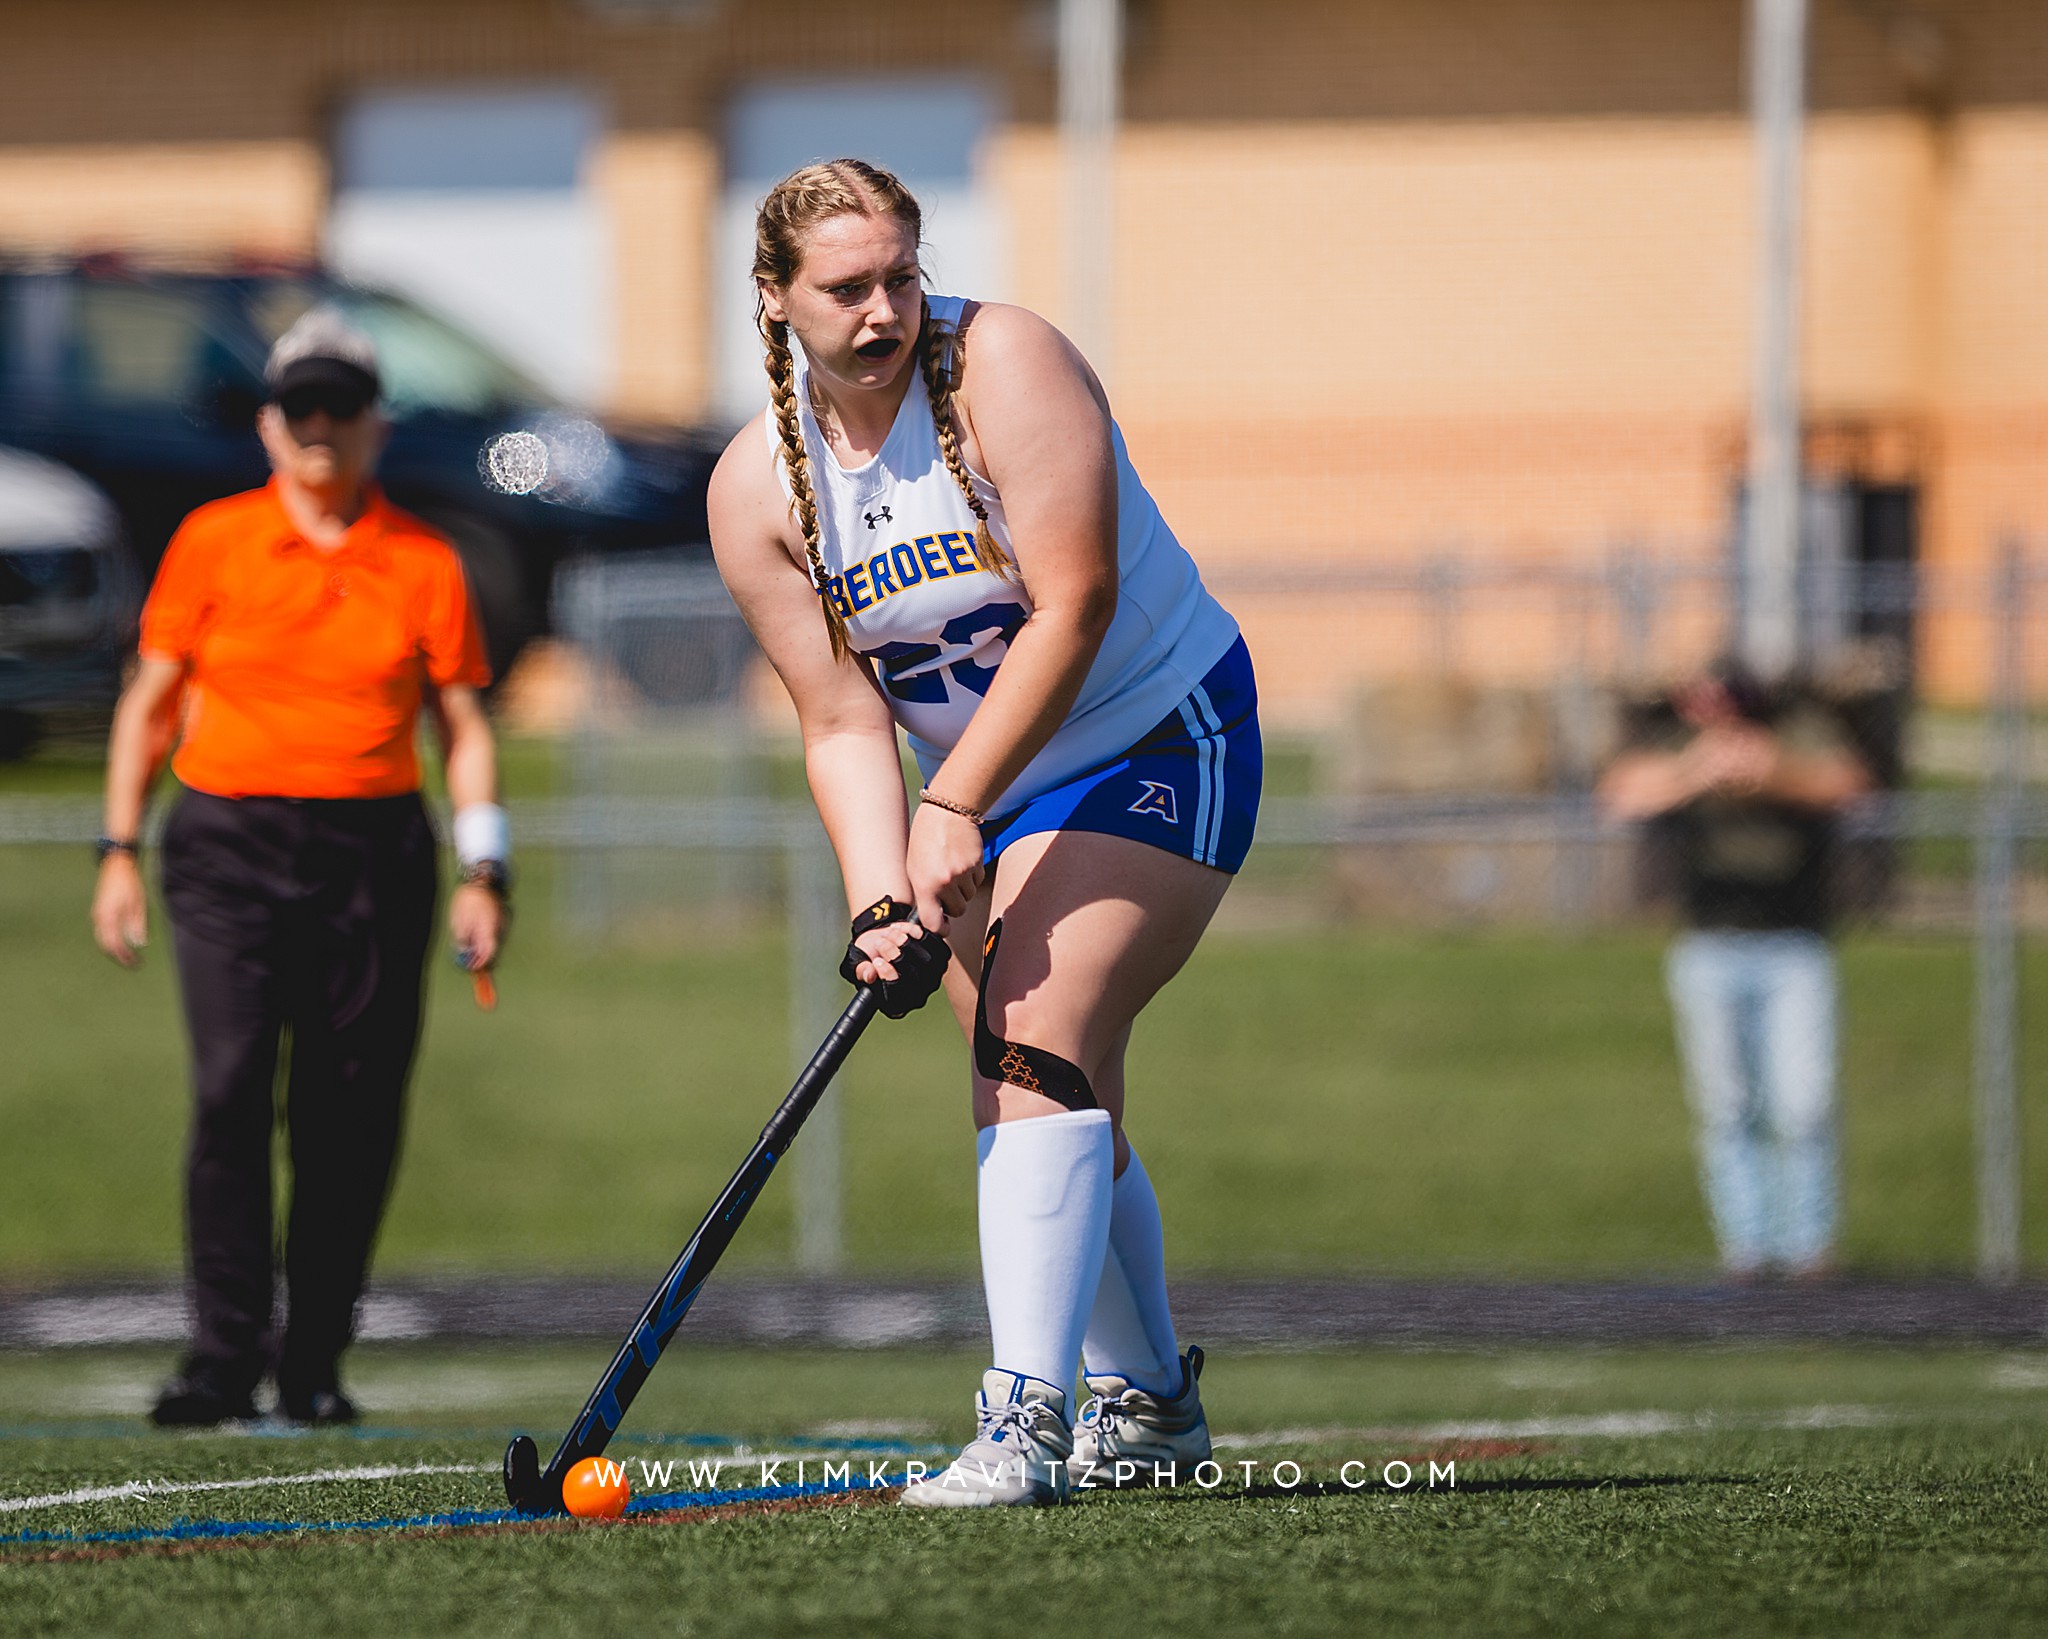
(1439, 730)
(1435, 734)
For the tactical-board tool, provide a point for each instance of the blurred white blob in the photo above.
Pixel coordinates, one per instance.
(515, 463)
(561, 457)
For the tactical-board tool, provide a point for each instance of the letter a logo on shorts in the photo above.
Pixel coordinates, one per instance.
(1158, 799)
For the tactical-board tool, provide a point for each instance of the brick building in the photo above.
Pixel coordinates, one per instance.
(1388, 274)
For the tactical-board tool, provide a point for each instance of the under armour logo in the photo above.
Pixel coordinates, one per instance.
(875, 518)
(1158, 799)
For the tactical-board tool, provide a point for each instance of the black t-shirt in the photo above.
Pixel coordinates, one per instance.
(1753, 863)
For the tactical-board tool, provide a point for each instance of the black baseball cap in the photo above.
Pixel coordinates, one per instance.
(323, 353)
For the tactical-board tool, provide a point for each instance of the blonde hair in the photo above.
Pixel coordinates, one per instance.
(795, 206)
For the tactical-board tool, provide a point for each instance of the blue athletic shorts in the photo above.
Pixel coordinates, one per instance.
(1190, 786)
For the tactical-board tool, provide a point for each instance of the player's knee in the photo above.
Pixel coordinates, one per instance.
(1011, 1055)
(1020, 1018)
(1007, 1053)
(1034, 1070)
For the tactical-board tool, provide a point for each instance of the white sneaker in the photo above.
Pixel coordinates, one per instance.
(1018, 1456)
(1127, 1437)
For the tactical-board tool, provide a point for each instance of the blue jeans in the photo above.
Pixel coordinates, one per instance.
(1756, 1015)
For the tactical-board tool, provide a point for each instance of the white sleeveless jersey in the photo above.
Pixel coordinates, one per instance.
(898, 542)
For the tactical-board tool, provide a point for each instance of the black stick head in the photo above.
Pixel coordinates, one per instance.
(523, 1488)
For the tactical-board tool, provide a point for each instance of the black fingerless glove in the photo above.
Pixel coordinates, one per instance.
(920, 965)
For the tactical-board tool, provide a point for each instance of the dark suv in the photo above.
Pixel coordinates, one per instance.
(148, 383)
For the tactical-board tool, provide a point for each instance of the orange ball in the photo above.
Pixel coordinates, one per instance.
(596, 1488)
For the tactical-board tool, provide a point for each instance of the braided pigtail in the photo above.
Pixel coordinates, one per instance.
(781, 369)
(939, 380)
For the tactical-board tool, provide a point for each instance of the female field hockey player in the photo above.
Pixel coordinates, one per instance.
(936, 525)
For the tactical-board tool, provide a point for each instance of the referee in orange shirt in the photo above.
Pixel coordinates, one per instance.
(292, 638)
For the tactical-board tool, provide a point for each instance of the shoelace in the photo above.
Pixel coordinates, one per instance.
(1102, 1406)
(1011, 1414)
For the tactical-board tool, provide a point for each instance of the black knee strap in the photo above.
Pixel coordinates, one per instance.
(1032, 1068)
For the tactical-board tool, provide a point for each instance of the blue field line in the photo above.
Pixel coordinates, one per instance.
(193, 1530)
(667, 1501)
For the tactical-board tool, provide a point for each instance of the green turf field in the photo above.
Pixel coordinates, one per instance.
(1307, 1099)
(1678, 1492)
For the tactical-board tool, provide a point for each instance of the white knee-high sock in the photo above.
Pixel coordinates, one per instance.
(1130, 1330)
(1044, 1194)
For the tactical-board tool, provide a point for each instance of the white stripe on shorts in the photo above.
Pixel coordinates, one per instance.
(1205, 728)
(1219, 751)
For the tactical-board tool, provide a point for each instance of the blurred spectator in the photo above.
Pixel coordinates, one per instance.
(1745, 787)
(292, 639)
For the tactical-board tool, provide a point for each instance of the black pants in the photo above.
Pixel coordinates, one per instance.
(302, 924)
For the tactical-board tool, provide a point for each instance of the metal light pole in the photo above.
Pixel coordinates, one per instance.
(1091, 49)
(1768, 630)
(1996, 1060)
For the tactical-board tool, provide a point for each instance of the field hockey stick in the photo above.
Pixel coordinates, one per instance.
(534, 1490)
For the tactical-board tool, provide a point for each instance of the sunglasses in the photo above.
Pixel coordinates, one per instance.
(337, 403)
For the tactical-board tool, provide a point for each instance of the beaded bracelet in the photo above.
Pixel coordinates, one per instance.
(960, 808)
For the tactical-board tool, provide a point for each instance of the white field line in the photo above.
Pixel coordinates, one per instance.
(165, 1488)
(741, 1460)
(1612, 1425)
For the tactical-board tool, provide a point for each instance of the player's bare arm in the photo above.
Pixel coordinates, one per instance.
(849, 738)
(1034, 422)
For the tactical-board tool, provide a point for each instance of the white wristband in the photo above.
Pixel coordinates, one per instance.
(481, 833)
